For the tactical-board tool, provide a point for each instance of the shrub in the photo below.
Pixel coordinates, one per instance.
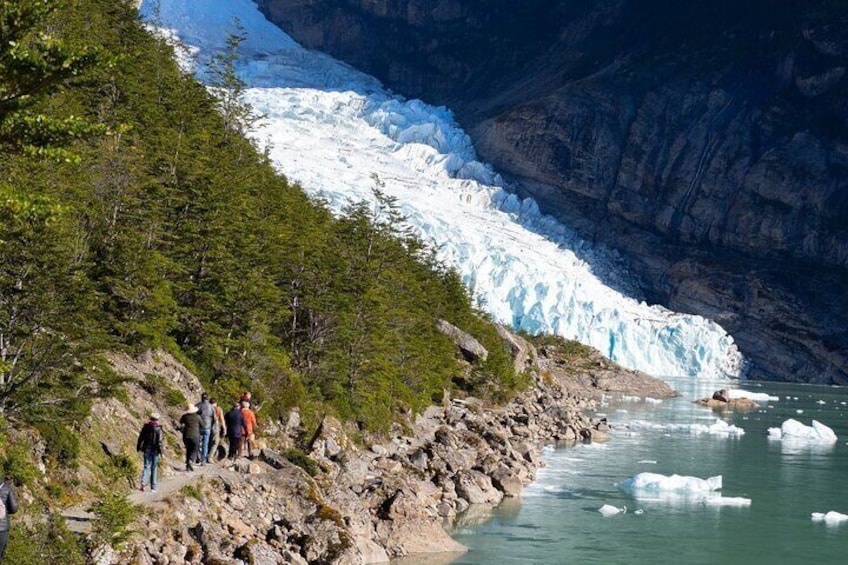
(302, 460)
(114, 514)
(191, 491)
(45, 542)
(118, 467)
(61, 444)
(156, 384)
(16, 464)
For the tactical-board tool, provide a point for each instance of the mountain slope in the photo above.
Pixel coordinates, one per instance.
(339, 134)
(706, 141)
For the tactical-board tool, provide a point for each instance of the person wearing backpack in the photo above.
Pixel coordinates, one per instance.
(235, 423)
(150, 444)
(207, 417)
(8, 505)
(190, 426)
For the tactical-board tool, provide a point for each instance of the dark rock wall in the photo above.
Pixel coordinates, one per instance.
(707, 140)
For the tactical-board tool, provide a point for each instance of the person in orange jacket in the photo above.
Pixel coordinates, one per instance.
(249, 427)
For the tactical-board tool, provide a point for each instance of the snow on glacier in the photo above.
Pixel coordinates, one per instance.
(337, 132)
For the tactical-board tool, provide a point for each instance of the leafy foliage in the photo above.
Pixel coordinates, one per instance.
(113, 516)
(16, 463)
(35, 60)
(170, 230)
(46, 541)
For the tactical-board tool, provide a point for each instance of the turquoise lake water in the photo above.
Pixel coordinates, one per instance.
(557, 519)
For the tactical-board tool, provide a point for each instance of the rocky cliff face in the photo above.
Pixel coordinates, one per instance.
(708, 140)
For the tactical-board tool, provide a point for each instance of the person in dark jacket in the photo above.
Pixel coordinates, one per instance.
(235, 422)
(150, 444)
(207, 416)
(8, 505)
(190, 426)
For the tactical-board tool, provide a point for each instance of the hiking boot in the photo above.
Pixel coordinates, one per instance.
(153, 490)
(141, 488)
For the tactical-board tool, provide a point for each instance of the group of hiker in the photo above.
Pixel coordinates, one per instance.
(202, 426)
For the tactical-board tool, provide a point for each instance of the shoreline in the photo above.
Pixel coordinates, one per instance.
(376, 500)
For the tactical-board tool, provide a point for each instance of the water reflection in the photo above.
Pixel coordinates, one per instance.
(478, 514)
(792, 448)
(428, 559)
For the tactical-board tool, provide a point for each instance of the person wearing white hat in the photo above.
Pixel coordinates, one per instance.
(190, 426)
(150, 444)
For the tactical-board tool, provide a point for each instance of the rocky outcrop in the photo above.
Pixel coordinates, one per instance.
(471, 349)
(721, 400)
(706, 142)
(585, 373)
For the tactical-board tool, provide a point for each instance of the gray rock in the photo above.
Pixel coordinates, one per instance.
(471, 349)
(508, 483)
(477, 488)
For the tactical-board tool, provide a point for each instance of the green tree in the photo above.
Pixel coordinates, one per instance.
(229, 88)
(33, 61)
(44, 305)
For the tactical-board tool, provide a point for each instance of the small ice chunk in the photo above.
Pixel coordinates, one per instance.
(655, 482)
(727, 501)
(830, 518)
(755, 396)
(820, 402)
(609, 510)
(799, 411)
(647, 461)
(719, 427)
(650, 400)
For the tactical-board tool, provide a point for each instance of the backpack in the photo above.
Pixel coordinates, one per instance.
(150, 438)
(2, 502)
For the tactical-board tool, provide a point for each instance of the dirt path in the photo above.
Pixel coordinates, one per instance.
(78, 518)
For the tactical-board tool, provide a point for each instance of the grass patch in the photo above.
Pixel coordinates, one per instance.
(192, 491)
(302, 460)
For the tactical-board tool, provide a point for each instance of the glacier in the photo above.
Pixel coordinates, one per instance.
(339, 134)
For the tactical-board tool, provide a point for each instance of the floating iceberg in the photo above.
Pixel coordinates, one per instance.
(656, 483)
(679, 489)
(727, 501)
(795, 431)
(831, 518)
(609, 510)
(719, 427)
(755, 396)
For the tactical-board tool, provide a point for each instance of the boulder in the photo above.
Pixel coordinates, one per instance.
(518, 347)
(477, 488)
(721, 395)
(470, 348)
(508, 483)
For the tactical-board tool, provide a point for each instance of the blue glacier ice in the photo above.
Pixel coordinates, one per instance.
(338, 132)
